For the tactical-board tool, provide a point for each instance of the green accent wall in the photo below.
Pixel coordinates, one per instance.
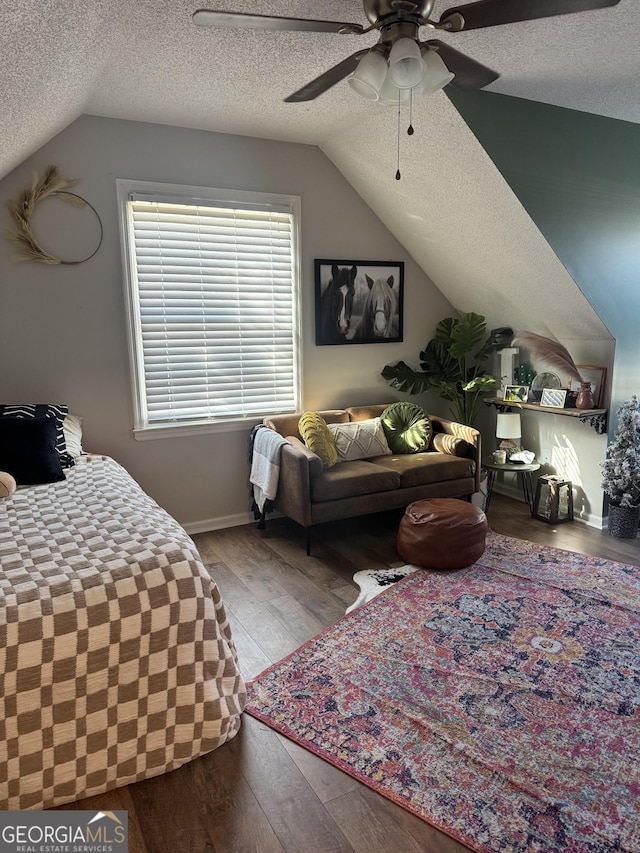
(578, 176)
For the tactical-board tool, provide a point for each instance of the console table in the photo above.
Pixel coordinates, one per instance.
(596, 418)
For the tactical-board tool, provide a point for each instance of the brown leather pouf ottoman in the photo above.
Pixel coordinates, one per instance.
(442, 533)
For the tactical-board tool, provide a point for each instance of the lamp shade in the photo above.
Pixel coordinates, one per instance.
(508, 425)
(436, 76)
(406, 67)
(369, 76)
(390, 94)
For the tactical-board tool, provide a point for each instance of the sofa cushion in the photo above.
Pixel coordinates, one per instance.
(407, 428)
(288, 424)
(420, 469)
(360, 439)
(317, 437)
(349, 479)
(365, 413)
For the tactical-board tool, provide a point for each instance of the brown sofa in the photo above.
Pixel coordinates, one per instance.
(311, 494)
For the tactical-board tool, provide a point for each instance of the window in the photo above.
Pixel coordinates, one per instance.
(211, 278)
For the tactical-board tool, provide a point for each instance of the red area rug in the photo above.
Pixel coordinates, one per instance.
(499, 703)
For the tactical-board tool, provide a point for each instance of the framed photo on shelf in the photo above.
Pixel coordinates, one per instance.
(516, 393)
(596, 376)
(553, 398)
(358, 302)
(540, 382)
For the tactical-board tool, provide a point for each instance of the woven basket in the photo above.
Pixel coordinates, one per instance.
(623, 521)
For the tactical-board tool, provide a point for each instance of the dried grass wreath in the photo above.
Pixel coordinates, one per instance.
(22, 210)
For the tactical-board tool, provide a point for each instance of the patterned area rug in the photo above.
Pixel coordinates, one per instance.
(499, 703)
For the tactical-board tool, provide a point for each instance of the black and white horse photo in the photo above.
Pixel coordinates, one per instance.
(358, 302)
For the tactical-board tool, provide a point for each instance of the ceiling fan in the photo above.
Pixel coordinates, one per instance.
(399, 21)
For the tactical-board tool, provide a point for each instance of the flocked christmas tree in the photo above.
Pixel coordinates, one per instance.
(621, 470)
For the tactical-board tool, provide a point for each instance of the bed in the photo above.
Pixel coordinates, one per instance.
(116, 657)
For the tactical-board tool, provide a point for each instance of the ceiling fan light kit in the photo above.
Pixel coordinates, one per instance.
(376, 81)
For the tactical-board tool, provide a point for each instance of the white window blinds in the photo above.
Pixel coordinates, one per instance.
(214, 308)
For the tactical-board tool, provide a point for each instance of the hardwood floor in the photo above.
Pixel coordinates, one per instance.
(261, 792)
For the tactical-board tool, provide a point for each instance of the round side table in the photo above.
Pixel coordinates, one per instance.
(525, 472)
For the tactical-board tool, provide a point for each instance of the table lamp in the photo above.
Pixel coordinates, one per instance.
(508, 428)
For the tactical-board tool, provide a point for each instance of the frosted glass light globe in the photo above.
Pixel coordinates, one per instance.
(437, 75)
(368, 78)
(406, 67)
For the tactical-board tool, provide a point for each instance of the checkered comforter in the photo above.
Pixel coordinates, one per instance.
(116, 658)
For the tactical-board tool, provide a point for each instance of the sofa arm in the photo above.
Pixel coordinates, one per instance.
(301, 450)
(469, 434)
(298, 466)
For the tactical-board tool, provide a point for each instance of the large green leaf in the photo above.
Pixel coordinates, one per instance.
(404, 378)
(467, 334)
(436, 361)
(444, 331)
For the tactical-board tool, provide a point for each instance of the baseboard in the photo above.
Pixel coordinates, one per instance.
(516, 494)
(219, 523)
(239, 519)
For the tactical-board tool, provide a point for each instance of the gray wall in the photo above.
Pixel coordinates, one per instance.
(62, 328)
(578, 177)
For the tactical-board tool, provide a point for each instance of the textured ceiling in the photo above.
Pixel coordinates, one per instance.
(145, 60)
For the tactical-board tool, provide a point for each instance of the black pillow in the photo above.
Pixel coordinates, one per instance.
(28, 450)
(44, 410)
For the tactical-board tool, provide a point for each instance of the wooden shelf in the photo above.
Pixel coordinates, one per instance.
(596, 418)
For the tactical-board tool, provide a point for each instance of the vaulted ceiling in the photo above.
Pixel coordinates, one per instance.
(452, 211)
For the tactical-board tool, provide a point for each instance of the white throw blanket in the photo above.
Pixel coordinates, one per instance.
(265, 465)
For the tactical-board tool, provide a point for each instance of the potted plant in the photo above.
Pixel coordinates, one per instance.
(453, 362)
(621, 472)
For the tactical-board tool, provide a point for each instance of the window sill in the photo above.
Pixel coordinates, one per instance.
(185, 430)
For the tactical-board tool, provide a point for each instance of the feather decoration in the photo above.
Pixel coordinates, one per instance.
(52, 184)
(548, 351)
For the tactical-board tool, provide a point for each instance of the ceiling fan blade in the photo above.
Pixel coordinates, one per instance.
(328, 79)
(490, 13)
(240, 20)
(469, 73)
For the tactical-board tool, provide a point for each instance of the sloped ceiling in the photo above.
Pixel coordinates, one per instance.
(465, 227)
(452, 210)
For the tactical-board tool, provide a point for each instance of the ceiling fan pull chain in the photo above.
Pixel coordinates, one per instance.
(398, 176)
(410, 128)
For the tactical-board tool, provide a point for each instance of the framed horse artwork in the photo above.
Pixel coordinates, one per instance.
(358, 302)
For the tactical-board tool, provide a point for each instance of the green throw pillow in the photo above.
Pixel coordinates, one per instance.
(316, 435)
(407, 428)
